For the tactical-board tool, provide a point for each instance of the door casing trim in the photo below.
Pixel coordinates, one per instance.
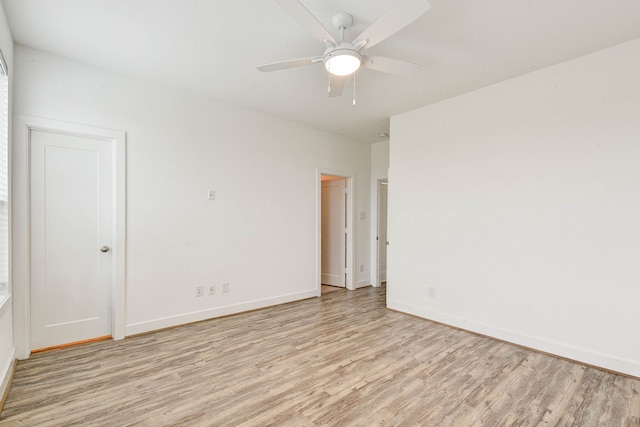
(379, 242)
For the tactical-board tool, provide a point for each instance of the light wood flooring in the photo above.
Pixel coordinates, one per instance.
(341, 359)
(325, 289)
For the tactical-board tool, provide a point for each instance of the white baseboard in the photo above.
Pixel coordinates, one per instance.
(6, 374)
(604, 361)
(196, 316)
(362, 284)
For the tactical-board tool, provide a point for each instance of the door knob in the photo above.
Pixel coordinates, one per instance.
(386, 242)
(104, 249)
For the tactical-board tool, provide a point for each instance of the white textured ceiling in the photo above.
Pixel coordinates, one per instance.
(212, 47)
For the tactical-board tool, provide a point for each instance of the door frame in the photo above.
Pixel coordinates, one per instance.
(21, 247)
(379, 242)
(349, 178)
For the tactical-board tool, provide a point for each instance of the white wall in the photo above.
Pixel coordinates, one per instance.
(7, 353)
(379, 170)
(260, 232)
(520, 204)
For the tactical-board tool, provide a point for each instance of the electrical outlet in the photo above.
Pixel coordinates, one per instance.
(225, 287)
(212, 289)
(431, 291)
(199, 291)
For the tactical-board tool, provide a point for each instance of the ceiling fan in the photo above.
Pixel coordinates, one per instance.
(343, 58)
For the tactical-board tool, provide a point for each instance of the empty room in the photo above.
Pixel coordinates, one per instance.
(319, 213)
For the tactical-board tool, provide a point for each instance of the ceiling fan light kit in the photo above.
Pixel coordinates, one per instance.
(344, 58)
(342, 61)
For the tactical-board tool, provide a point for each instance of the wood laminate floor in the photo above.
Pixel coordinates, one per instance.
(341, 359)
(325, 289)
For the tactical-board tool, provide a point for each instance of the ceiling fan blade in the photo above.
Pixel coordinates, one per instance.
(305, 18)
(336, 86)
(398, 18)
(388, 65)
(292, 63)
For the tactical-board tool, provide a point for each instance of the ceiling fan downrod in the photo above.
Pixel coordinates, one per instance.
(342, 21)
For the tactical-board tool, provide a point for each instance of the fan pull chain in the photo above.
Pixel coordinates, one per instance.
(354, 89)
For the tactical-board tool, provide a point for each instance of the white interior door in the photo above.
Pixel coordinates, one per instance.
(382, 230)
(71, 235)
(334, 228)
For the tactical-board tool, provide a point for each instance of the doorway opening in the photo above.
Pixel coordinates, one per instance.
(334, 234)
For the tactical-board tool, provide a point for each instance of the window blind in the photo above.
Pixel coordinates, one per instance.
(4, 178)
